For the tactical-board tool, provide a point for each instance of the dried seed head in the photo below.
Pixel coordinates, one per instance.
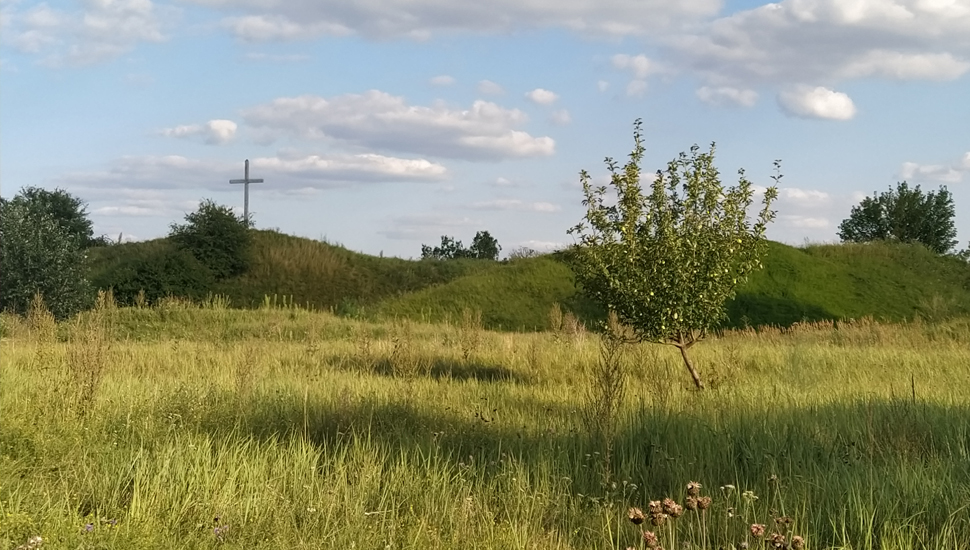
(778, 540)
(655, 507)
(658, 519)
(797, 543)
(636, 515)
(650, 539)
(691, 503)
(757, 530)
(704, 503)
(693, 488)
(669, 504)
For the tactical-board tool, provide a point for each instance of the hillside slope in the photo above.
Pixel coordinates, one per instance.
(885, 281)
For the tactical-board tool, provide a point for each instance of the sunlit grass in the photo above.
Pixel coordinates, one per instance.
(281, 428)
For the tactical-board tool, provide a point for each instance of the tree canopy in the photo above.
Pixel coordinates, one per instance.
(904, 214)
(484, 247)
(217, 237)
(41, 255)
(666, 261)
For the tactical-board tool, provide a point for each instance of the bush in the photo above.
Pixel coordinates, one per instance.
(157, 273)
(217, 237)
(38, 255)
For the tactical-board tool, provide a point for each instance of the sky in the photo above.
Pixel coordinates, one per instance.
(382, 125)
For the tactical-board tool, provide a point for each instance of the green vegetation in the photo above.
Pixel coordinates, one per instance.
(889, 281)
(666, 261)
(188, 427)
(906, 215)
(40, 255)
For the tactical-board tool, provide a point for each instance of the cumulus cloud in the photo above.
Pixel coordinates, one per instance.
(292, 172)
(639, 65)
(488, 87)
(560, 117)
(270, 27)
(941, 173)
(726, 95)
(378, 120)
(442, 80)
(516, 205)
(214, 132)
(542, 97)
(423, 19)
(100, 30)
(826, 41)
(817, 102)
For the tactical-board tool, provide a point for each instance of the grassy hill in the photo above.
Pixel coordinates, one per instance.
(885, 281)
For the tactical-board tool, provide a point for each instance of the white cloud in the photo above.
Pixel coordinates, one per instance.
(726, 95)
(602, 85)
(805, 222)
(942, 173)
(262, 28)
(99, 31)
(560, 117)
(214, 132)
(503, 182)
(639, 65)
(817, 102)
(442, 80)
(516, 205)
(803, 196)
(827, 41)
(423, 19)
(488, 87)
(378, 120)
(542, 97)
(277, 58)
(289, 172)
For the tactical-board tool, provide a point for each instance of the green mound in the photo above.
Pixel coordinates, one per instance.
(888, 281)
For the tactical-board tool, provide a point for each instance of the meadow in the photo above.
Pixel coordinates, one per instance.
(201, 426)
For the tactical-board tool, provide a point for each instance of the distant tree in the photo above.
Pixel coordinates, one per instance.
(40, 255)
(217, 237)
(68, 211)
(904, 214)
(523, 252)
(484, 247)
(667, 262)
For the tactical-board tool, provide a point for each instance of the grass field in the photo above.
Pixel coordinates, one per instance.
(199, 427)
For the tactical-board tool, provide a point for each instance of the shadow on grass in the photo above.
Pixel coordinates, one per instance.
(439, 369)
(757, 309)
(891, 460)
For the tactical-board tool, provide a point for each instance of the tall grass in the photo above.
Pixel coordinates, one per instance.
(283, 428)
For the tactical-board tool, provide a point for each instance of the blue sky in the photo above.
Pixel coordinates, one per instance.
(384, 124)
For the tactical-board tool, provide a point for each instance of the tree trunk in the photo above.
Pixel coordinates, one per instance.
(690, 367)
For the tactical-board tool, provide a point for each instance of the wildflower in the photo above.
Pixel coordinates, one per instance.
(636, 515)
(727, 488)
(658, 519)
(89, 527)
(797, 543)
(655, 507)
(757, 530)
(704, 503)
(749, 495)
(691, 503)
(693, 488)
(784, 520)
(650, 539)
(672, 509)
(778, 540)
